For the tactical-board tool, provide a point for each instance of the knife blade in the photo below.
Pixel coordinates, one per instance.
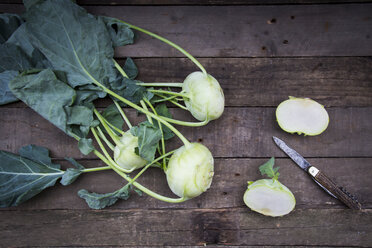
(319, 177)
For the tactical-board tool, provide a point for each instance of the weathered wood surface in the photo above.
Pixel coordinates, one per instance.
(320, 51)
(245, 31)
(236, 226)
(229, 184)
(334, 82)
(240, 132)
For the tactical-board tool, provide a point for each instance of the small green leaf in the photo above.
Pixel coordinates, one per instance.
(113, 116)
(269, 170)
(8, 24)
(148, 139)
(120, 33)
(86, 146)
(6, 95)
(75, 163)
(162, 110)
(70, 176)
(99, 201)
(130, 68)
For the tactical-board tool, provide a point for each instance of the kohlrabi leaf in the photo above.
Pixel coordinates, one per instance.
(162, 110)
(71, 174)
(47, 95)
(86, 146)
(130, 68)
(148, 139)
(120, 33)
(22, 178)
(72, 40)
(99, 201)
(8, 24)
(6, 95)
(269, 170)
(129, 89)
(38, 154)
(13, 58)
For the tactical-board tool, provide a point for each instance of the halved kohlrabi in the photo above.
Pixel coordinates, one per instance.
(302, 115)
(269, 196)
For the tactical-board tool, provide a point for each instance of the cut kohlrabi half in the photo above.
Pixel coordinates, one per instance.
(269, 196)
(302, 115)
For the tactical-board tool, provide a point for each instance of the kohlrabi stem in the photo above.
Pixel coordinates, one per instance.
(161, 129)
(135, 106)
(120, 69)
(196, 62)
(169, 93)
(112, 162)
(96, 169)
(145, 107)
(136, 184)
(148, 165)
(123, 114)
(113, 136)
(165, 98)
(186, 123)
(161, 84)
(179, 105)
(102, 135)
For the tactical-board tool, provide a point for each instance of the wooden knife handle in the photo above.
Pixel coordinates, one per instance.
(344, 196)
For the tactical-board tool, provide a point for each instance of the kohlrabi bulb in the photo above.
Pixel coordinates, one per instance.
(190, 170)
(269, 197)
(205, 96)
(124, 153)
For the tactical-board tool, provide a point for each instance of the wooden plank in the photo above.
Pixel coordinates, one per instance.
(200, 2)
(240, 132)
(246, 31)
(227, 189)
(322, 227)
(336, 82)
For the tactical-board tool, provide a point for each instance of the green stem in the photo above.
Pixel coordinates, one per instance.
(179, 105)
(165, 98)
(196, 62)
(123, 115)
(137, 185)
(169, 93)
(113, 136)
(102, 135)
(149, 164)
(118, 67)
(161, 130)
(135, 106)
(96, 169)
(106, 153)
(161, 84)
(145, 107)
(115, 128)
(186, 123)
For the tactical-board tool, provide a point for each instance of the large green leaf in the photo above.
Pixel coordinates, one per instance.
(13, 58)
(46, 94)
(72, 40)
(22, 178)
(6, 95)
(148, 139)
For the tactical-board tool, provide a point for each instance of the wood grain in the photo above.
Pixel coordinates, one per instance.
(245, 31)
(240, 132)
(228, 187)
(239, 226)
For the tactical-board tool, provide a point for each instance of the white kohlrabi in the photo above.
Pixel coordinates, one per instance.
(268, 196)
(205, 99)
(302, 115)
(190, 170)
(124, 153)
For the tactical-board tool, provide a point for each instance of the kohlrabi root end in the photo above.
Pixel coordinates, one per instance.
(302, 116)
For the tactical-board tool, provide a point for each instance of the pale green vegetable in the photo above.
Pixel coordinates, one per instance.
(205, 99)
(124, 153)
(190, 170)
(302, 115)
(269, 196)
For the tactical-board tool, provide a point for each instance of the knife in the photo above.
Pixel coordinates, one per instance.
(319, 177)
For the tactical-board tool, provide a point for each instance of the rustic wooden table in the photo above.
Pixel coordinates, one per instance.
(261, 52)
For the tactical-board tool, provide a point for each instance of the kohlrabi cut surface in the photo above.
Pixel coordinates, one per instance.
(269, 196)
(302, 115)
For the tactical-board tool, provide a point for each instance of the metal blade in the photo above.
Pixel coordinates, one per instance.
(295, 156)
